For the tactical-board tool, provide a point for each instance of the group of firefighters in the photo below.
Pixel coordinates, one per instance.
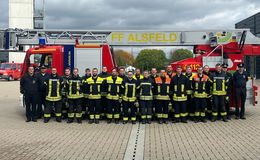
(175, 95)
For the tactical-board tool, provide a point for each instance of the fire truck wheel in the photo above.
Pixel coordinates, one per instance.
(10, 78)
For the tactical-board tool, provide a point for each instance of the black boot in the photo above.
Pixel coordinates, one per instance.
(28, 120)
(184, 120)
(97, 121)
(143, 121)
(204, 120)
(213, 119)
(133, 122)
(225, 119)
(165, 121)
(91, 121)
(58, 119)
(70, 120)
(124, 122)
(148, 121)
(196, 120)
(160, 121)
(79, 120)
(46, 120)
(109, 121)
(176, 120)
(117, 121)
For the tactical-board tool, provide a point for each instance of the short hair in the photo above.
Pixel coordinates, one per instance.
(114, 69)
(67, 68)
(199, 67)
(146, 71)
(188, 66)
(153, 68)
(218, 64)
(75, 69)
(121, 68)
(87, 69)
(94, 69)
(104, 66)
(206, 66)
(130, 71)
(178, 67)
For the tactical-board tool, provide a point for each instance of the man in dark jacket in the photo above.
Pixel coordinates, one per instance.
(29, 86)
(42, 76)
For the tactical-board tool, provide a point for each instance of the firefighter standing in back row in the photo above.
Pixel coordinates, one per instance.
(201, 89)
(129, 87)
(162, 95)
(219, 84)
(94, 89)
(146, 97)
(179, 85)
(190, 105)
(230, 84)
(209, 98)
(138, 75)
(53, 86)
(65, 105)
(75, 95)
(240, 78)
(113, 88)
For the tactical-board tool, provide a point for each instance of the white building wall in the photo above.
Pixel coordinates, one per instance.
(21, 14)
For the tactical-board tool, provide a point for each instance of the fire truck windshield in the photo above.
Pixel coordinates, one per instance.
(38, 60)
(5, 66)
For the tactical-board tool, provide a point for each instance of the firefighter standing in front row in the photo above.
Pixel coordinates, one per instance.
(85, 103)
(230, 84)
(129, 86)
(201, 89)
(94, 89)
(240, 78)
(65, 106)
(145, 90)
(53, 86)
(190, 105)
(75, 95)
(209, 98)
(179, 85)
(162, 95)
(113, 88)
(219, 84)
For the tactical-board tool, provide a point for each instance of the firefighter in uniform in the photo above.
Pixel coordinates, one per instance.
(146, 97)
(75, 95)
(154, 75)
(122, 73)
(201, 89)
(113, 88)
(42, 76)
(29, 87)
(209, 98)
(129, 86)
(190, 105)
(162, 95)
(179, 85)
(138, 75)
(65, 105)
(85, 103)
(94, 89)
(170, 74)
(53, 86)
(240, 78)
(219, 84)
(230, 84)
(103, 75)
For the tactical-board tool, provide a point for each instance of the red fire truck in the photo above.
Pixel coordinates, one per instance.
(82, 49)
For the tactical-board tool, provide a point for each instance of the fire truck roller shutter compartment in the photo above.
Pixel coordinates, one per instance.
(87, 58)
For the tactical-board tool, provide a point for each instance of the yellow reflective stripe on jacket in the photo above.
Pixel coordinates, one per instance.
(58, 96)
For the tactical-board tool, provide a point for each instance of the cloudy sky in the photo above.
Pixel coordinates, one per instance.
(143, 14)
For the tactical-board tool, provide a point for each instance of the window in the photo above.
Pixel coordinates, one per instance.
(38, 60)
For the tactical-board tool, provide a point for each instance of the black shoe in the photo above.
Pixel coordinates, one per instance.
(228, 117)
(143, 121)
(184, 121)
(109, 121)
(28, 120)
(204, 120)
(124, 122)
(79, 120)
(148, 121)
(213, 119)
(133, 122)
(58, 119)
(64, 117)
(116, 121)
(176, 121)
(236, 117)
(243, 117)
(160, 121)
(225, 120)
(34, 120)
(192, 118)
(91, 121)
(165, 121)
(196, 120)
(97, 121)
(46, 120)
(70, 120)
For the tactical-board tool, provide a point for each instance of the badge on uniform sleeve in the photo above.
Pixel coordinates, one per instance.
(34, 81)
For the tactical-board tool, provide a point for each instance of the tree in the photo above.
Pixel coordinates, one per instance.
(123, 58)
(149, 58)
(180, 54)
